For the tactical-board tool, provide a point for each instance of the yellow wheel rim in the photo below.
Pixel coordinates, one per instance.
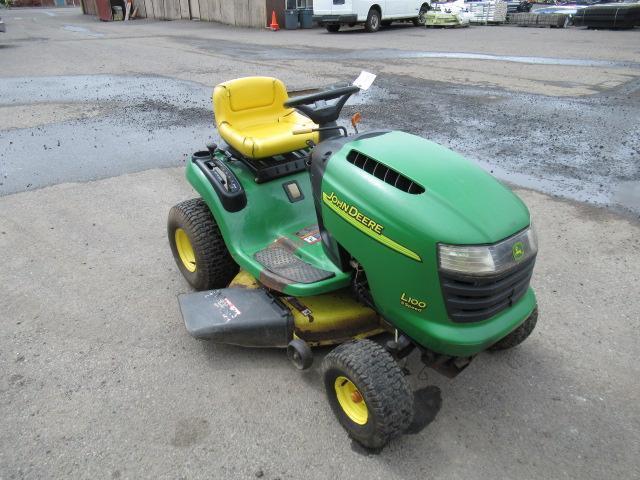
(351, 400)
(185, 250)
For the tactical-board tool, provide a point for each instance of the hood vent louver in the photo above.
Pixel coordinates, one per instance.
(384, 173)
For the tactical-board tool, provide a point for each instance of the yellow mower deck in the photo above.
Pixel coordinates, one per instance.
(328, 319)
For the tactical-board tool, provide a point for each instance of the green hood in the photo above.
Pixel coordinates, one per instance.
(462, 203)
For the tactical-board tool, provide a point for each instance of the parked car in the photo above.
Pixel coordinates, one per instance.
(3, 28)
(332, 14)
(518, 6)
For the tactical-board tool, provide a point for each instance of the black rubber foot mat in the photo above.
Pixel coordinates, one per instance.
(280, 259)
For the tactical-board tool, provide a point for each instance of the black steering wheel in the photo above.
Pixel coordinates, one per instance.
(315, 105)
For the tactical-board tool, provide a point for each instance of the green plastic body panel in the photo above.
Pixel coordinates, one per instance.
(462, 204)
(268, 216)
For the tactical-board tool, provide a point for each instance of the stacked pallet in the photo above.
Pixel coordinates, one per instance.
(438, 18)
(557, 20)
(488, 12)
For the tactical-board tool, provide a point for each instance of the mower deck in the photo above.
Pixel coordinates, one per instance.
(248, 315)
(238, 316)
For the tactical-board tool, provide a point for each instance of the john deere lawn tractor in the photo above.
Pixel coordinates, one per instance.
(304, 235)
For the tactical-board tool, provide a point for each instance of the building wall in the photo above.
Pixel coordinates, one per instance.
(242, 13)
(45, 3)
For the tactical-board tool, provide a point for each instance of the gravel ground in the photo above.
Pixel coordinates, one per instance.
(100, 378)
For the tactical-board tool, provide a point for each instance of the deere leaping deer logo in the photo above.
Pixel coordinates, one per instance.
(518, 251)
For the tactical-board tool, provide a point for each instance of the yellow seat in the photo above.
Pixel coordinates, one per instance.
(251, 117)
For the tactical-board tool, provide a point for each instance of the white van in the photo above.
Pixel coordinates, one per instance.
(334, 13)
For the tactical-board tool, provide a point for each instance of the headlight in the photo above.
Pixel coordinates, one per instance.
(489, 259)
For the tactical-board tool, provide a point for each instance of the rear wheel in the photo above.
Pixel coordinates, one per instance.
(198, 247)
(519, 335)
(368, 392)
(373, 21)
(332, 28)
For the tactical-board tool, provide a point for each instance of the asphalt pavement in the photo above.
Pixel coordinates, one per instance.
(99, 377)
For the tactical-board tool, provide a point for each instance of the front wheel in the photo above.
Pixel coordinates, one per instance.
(332, 28)
(373, 21)
(198, 247)
(421, 20)
(368, 392)
(519, 335)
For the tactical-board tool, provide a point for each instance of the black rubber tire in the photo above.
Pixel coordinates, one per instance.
(519, 335)
(374, 21)
(422, 19)
(215, 267)
(332, 28)
(300, 354)
(381, 383)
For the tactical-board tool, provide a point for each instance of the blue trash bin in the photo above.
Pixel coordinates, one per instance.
(291, 19)
(306, 17)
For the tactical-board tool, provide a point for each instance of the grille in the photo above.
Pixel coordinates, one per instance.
(474, 298)
(384, 173)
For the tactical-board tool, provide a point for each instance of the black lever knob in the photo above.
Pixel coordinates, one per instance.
(212, 147)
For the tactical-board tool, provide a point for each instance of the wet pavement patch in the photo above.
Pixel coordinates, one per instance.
(144, 122)
(266, 52)
(579, 148)
(190, 431)
(584, 148)
(83, 30)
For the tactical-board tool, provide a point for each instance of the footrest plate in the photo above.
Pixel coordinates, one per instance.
(279, 258)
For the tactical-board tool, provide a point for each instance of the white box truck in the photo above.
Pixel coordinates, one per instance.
(334, 13)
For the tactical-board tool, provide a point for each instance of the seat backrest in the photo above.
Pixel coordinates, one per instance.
(249, 101)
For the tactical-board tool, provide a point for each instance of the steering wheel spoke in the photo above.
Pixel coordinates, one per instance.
(316, 106)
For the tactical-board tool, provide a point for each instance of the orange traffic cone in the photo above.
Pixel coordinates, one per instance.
(274, 22)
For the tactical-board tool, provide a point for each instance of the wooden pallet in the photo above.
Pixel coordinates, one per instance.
(486, 23)
(448, 26)
(555, 20)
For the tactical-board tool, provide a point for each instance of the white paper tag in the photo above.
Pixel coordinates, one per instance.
(364, 80)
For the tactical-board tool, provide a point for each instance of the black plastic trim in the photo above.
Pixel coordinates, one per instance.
(384, 173)
(320, 157)
(286, 190)
(470, 298)
(229, 189)
(270, 168)
(335, 19)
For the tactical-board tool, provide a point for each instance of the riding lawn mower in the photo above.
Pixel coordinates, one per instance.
(305, 235)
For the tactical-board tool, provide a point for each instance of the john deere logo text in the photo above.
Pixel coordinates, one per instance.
(354, 216)
(412, 303)
(518, 251)
(353, 212)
